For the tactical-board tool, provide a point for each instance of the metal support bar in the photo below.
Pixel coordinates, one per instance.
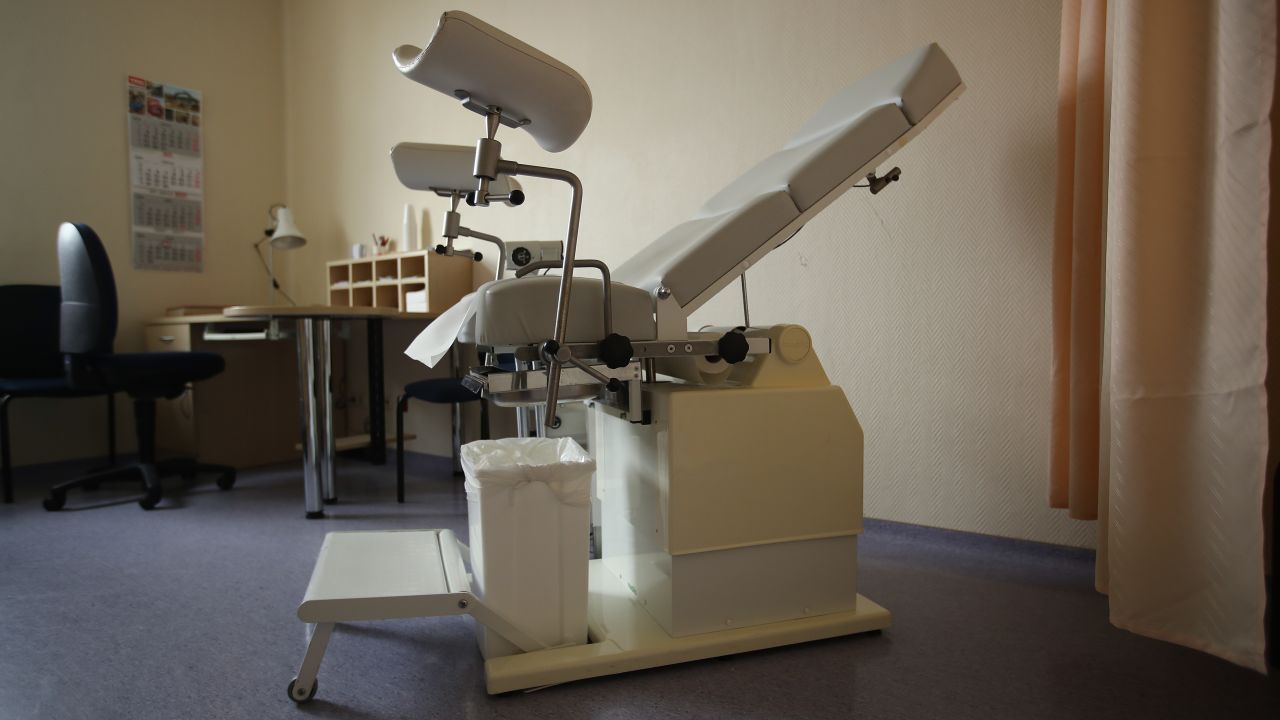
(377, 397)
(746, 313)
(596, 264)
(566, 278)
(310, 415)
(502, 247)
(324, 380)
(6, 467)
(317, 642)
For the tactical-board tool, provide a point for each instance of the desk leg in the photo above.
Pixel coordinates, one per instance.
(377, 400)
(310, 415)
(324, 359)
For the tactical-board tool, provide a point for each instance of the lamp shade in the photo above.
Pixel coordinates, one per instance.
(286, 235)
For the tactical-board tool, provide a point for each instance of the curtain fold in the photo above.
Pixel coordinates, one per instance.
(1077, 260)
(1184, 428)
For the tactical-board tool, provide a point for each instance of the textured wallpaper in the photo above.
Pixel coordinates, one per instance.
(929, 303)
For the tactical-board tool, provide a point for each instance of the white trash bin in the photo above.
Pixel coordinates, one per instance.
(529, 514)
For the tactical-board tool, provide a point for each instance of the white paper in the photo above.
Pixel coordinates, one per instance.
(166, 176)
(434, 342)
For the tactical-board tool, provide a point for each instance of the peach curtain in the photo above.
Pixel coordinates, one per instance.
(1163, 201)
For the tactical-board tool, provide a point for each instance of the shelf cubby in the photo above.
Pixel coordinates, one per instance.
(383, 281)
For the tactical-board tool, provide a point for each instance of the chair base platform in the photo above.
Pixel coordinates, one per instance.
(384, 575)
(624, 637)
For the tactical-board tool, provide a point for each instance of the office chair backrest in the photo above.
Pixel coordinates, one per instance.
(29, 331)
(88, 324)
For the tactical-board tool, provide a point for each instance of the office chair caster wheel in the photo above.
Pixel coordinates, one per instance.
(314, 685)
(55, 501)
(150, 500)
(226, 482)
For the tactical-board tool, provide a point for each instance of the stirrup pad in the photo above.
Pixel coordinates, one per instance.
(468, 58)
(443, 168)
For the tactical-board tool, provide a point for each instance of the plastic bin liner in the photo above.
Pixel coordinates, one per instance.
(509, 463)
(529, 515)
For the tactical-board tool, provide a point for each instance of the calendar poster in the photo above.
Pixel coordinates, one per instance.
(166, 176)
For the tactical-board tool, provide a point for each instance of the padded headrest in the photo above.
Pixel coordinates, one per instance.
(423, 166)
(470, 58)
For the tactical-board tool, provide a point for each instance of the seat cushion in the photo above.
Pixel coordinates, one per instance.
(691, 256)
(522, 311)
(440, 390)
(46, 387)
(162, 374)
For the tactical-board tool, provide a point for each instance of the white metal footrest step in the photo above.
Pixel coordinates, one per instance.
(385, 575)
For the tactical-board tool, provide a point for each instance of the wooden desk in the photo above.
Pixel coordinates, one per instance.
(315, 383)
(245, 416)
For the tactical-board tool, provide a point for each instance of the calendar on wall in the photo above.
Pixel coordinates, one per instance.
(166, 176)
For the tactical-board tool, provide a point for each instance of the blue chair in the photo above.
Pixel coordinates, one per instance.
(31, 364)
(443, 391)
(87, 333)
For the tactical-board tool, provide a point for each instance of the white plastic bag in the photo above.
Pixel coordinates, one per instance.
(508, 463)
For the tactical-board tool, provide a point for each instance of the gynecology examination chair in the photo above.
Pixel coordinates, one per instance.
(729, 468)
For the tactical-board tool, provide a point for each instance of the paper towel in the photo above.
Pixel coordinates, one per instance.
(434, 342)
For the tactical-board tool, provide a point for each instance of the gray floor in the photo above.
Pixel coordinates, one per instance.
(188, 612)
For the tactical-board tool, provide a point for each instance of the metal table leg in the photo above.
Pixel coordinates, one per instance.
(310, 406)
(324, 357)
(377, 400)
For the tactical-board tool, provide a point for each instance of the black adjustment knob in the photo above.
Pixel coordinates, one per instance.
(549, 350)
(478, 256)
(471, 198)
(521, 256)
(441, 250)
(516, 197)
(733, 347)
(615, 350)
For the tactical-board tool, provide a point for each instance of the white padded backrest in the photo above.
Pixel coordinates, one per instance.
(423, 166)
(848, 132)
(466, 55)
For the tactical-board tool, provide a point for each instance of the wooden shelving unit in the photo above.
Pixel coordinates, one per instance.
(383, 280)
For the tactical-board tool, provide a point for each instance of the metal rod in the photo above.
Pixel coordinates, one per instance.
(325, 388)
(601, 377)
(310, 420)
(746, 314)
(377, 392)
(596, 264)
(566, 279)
(6, 466)
(502, 247)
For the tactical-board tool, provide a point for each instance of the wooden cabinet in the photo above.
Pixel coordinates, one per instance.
(246, 416)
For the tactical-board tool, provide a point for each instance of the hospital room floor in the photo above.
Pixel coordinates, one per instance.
(188, 612)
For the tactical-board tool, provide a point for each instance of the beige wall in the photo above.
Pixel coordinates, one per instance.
(63, 66)
(929, 303)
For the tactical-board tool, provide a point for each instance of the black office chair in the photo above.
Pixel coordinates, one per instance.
(88, 331)
(443, 391)
(31, 364)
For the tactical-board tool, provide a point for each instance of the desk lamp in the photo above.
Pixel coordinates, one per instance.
(282, 235)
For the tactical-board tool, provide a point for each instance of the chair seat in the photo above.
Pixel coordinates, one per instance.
(158, 374)
(46, 387)
(440, 390)
(522, 311)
